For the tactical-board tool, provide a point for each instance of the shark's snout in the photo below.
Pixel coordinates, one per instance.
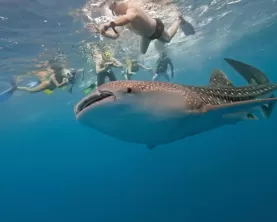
(98, 96)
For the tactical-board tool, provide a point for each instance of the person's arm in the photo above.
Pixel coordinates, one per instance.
(143, 67)
(109, 33)
(53, 78)
(119, 21)
(172, 68)
(125, 19)
(116, 63)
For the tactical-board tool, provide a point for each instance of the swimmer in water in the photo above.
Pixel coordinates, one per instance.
(55, 77)
(104, 62)
(162, 66)
(133, 66)
(44, 71)
(139, 22)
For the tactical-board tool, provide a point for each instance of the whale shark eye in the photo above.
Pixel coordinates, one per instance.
(129, 90)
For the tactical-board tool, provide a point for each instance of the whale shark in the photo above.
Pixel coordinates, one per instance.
(159, 113)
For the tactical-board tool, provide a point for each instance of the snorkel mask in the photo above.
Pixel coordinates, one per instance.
(70, 74)
(107, 55)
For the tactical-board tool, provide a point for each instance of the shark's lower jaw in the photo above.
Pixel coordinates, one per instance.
(87, 102)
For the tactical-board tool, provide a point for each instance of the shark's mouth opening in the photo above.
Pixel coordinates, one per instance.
(92, 99)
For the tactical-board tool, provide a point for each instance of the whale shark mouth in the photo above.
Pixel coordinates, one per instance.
(87, 102)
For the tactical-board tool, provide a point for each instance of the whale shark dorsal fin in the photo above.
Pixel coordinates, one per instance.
(218, 78)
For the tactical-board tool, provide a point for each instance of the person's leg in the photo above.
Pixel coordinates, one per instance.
(156, 77)
(144, 44)
(111, 76)
(169, 34)
(39, 88)
(101, 78)
(127, 77)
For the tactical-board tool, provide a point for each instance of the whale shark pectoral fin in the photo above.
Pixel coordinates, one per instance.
(238, 107)
(250, 116)
(151, 147)
(240, 116)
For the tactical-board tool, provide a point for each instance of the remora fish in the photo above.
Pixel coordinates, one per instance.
(155, 113)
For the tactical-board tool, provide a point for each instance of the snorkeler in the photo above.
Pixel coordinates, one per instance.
(104, 61)
(142, 24)
(71, 75)
(56, 77)
(133, 66)
(162, 66)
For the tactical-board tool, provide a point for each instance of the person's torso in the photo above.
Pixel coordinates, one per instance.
(102, 65)
(59, 79)
(162, 65)
(43, 75)
(143, 24)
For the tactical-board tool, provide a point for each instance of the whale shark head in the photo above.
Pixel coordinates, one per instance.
(132, 98)
(126, 109)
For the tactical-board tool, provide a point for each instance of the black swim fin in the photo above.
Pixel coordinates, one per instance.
(186, 27)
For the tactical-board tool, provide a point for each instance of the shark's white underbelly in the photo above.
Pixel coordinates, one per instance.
(149, 127)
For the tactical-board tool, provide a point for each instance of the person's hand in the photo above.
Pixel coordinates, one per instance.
(104, 27)
(93, 27)
(150, 70)
(65, 80)
(108, 64)
(132, 73)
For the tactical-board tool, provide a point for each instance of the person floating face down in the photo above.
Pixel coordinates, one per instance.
(104, 62)
(139, 22)
(162, 67)
(133, 66)
(56, 79)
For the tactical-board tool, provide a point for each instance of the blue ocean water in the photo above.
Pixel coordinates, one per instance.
(52, 169)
